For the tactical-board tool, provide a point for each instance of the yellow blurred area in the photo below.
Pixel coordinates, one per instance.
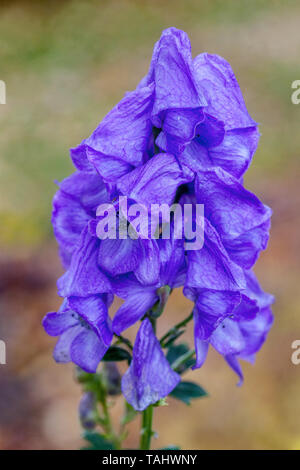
(65, 64)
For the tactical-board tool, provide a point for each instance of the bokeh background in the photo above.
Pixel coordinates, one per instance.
(65, 64)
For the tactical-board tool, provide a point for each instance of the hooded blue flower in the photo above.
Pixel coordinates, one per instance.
(150, 376)
(240, 332)
(84, 330)
(185, 136)
(74, 204)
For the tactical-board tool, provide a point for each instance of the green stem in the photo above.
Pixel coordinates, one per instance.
(182, 359)
(146, 433)
(107, 424)
(124, 341)
(147, 415)
(175, 328)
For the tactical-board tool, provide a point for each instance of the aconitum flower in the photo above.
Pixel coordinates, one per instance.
(184, 136)
(239, 331)
(84, 328)
(149, 377)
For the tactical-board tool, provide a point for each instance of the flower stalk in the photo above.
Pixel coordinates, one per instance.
(146, 431)
(182, 359)
(175, 329)
(106, 423)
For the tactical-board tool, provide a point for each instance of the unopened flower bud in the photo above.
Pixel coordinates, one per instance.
(87, 410)
(112, 378)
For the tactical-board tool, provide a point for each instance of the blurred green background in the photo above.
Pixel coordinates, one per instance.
(65, 64)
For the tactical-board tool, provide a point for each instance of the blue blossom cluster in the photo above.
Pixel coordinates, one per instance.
(183, 135)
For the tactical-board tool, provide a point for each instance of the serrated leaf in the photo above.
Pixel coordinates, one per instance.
(97, 441)
(187, 391)
(115, 354)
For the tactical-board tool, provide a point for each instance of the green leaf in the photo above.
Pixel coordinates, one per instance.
(187, 391)
(130, 414)
(83, 377)
(115, 353)
(173, 338)
(186, 365)
(97, 441)
(175, 351)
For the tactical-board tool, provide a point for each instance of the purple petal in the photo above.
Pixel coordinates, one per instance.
(228, 205)
(246, 310)
(149, 377)
(79, 158)
(68, 220)
(84, 276)
(124, 132)
(182, 122)
(254, 291)
(110, 168)
(139, 300)
(94, 311)
(228, 339)
(255, 331)
(211, 308)
(245, 249)
(56, 323)
(147, 270)
(201, 348)
(221, 90)
(211, 268)
(73, 206)
(234, 154)
(236, 367)
(172, 259)
(87, 350)
(179, 102)
(173, 74)
(210, 132)
(195, 156)
(88, 188)
(155, 182)
(61, 351)
(119, 256)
